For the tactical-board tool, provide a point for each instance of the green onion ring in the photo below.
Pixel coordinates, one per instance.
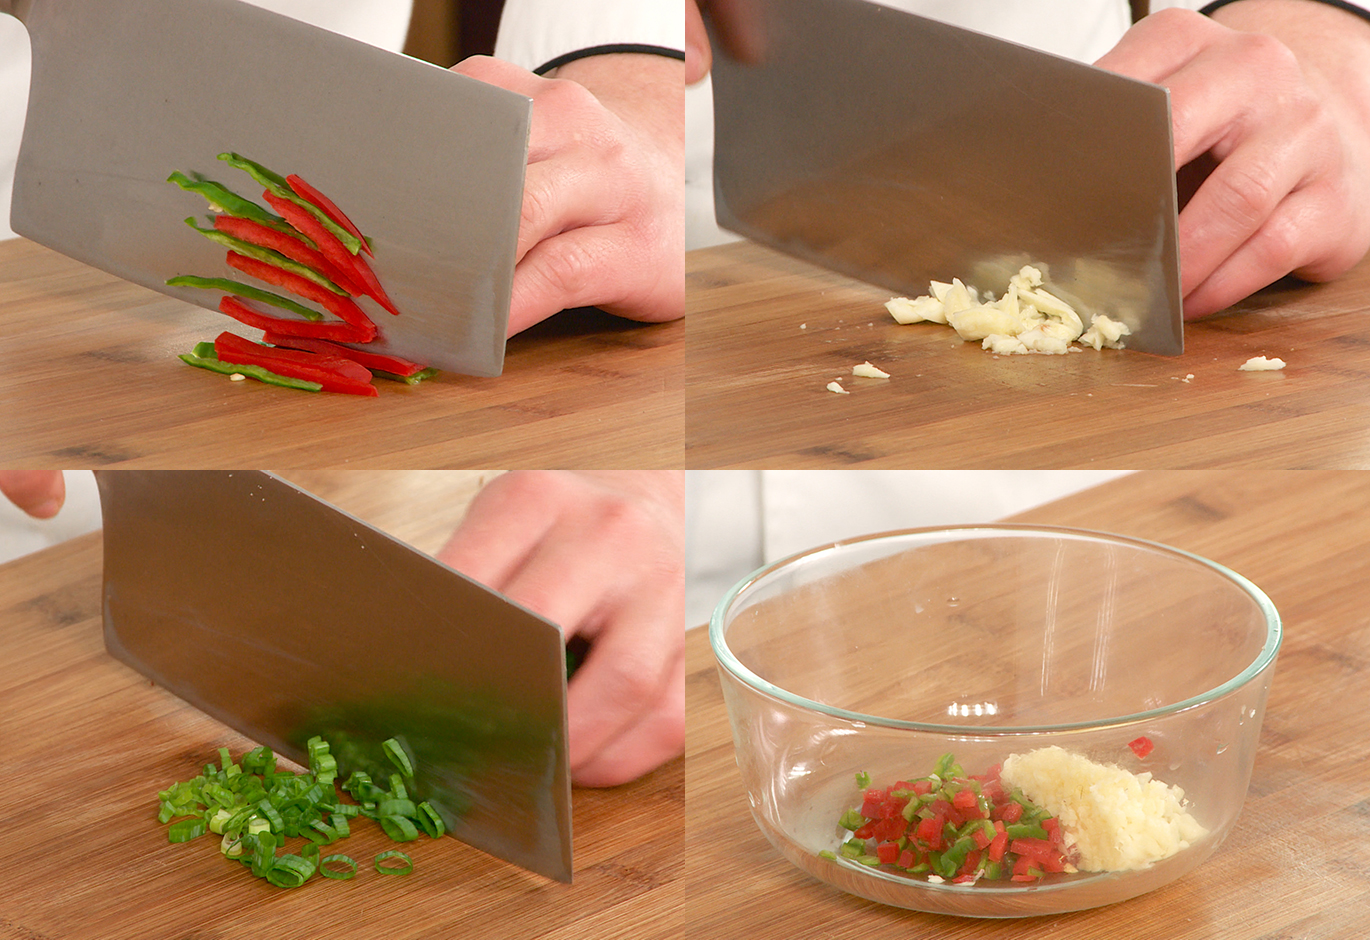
(398, 756)
(430, 821)
(399, 829)
(341, 874)
(406, 866)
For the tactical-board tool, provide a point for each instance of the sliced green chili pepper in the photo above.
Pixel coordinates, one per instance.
(277, 185)
(267, 255)
(214, 364)
(223, 199)
(231, 286)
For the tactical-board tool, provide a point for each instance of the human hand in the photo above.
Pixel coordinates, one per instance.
(39, 493)
(698, 57)
(1276, 94)
(601, 554)
(603, 220)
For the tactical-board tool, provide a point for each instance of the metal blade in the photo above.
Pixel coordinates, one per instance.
(284, 617)
(899, 150)
(429, 164)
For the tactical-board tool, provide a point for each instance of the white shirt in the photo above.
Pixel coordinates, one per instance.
(738, 520)
(383, 23)
(533, 33)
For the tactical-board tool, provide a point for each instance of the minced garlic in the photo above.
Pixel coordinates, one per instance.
(1113, 819)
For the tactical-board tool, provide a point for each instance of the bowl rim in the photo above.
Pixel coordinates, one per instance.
(1263, 660)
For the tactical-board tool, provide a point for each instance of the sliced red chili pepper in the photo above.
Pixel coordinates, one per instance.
(334, 374)
(332, 249)
(999, 844)
(1011, 812)
(300, 287)
(870, 805)
(907, 858)
(929, 832)
(373, 361)
(890, 828)
(1141, 746)
(286, 329)
(887, 852)
(291, 246)
(305, 191)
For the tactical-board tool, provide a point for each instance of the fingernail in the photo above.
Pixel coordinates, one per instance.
(48, 509)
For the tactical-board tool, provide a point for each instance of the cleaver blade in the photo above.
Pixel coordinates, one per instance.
(284, 617)
(429, 164)
(898, 150)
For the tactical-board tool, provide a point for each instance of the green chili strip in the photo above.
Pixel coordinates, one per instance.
(279, 187)
(223, 199)
(229, 286)
(383, 860)
(267, 255)
(414, 379)
(214, 364)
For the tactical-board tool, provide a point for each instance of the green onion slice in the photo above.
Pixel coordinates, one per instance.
(327, 869)
(398, 756)
(399, 829)
(404, 864)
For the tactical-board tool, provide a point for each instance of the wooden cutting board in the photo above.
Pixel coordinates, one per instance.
(86, 743)
(89, 377)
(1295, 865)
(767, 333)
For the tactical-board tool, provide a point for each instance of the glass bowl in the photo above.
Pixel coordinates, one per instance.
(883, 653)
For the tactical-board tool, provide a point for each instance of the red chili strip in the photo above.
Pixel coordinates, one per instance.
(291, 246)
(305, 191)
(334, 250)
(373, 361)
(299, 286)
(334, 374)
(242, 311)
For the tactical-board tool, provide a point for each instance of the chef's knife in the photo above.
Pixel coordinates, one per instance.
(898, 150)
(284, 617)
(429, 164)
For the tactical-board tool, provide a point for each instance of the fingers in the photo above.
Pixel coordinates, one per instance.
(1282, 177)
(657, 736)
(602, 556)
(562, 272)
(40, 493)
(1282, 244)
(698, 57)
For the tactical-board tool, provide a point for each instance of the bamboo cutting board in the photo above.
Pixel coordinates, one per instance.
(89, 377)
(86, 743)
(1296, 863)
(767, 333)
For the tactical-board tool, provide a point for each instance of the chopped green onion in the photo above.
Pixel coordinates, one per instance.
(430, 821)
(398, 756)
(383, 860)
(290, 871)
(342, 874)
(399, 829)
(185, 830)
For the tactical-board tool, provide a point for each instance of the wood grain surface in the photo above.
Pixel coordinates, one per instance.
(766, 333)
(86, 743)
(89, 377)
(1295, 865)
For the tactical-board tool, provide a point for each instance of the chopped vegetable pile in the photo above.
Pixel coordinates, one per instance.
(950, 826)
(1026, 319)
(306, 246)
(255, 807)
